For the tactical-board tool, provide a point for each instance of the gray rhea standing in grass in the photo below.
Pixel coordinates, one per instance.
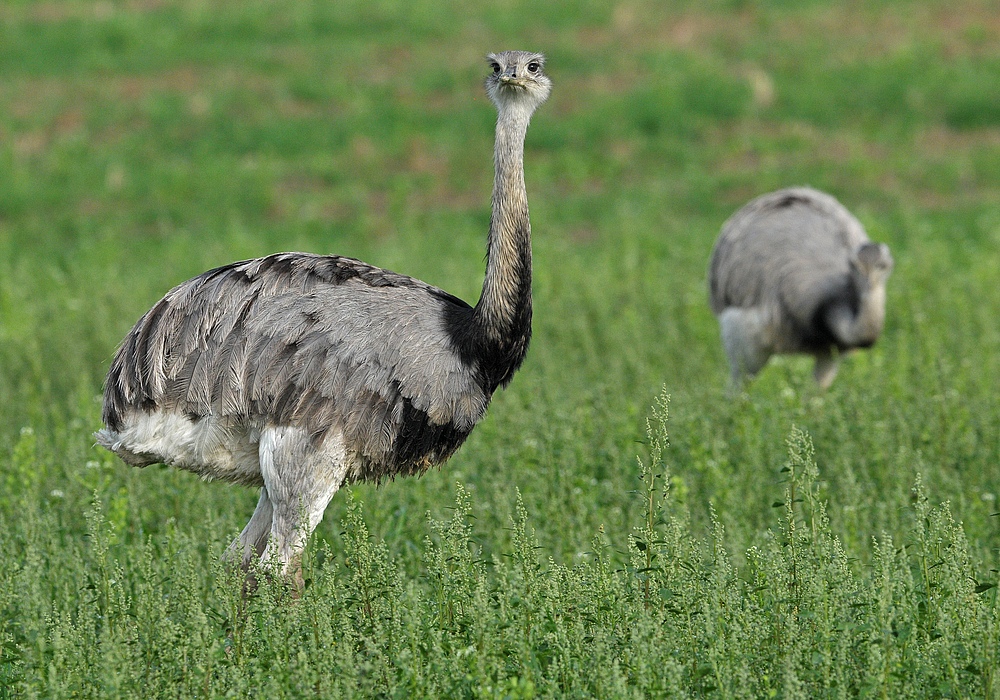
(794, 272)
(298, 372)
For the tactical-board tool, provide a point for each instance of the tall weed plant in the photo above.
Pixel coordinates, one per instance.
(656, 611)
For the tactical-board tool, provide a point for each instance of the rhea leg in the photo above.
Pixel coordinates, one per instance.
(300, 481)
(744, 337)
(826, 368)
(251, 542)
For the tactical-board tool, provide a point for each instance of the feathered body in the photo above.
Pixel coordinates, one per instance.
(298, 372)
(794, 272)
(326, 344)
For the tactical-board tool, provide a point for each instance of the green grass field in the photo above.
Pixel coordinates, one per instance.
(810, 544)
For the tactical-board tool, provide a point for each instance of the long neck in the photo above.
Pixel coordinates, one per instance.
(503, 315)
(862, 327)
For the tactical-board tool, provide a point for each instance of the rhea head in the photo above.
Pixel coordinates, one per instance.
(517, 80)
(871, 265)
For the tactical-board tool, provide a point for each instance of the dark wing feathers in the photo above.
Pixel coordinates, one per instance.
(198, 387)
(319, 342)
(231, 368)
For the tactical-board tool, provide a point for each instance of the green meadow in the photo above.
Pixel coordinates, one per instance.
(593, 537)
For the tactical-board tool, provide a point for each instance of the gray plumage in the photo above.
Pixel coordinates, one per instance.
(297, 372)
(794, 272)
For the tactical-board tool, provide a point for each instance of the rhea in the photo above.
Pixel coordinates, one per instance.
(298, 373)
(794, 272)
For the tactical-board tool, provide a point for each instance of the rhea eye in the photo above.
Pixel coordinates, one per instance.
(495, 66)
(533, 67)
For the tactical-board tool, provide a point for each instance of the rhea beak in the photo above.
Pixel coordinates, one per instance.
(516, 82)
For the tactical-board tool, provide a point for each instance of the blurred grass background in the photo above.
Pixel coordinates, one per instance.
(143, 142)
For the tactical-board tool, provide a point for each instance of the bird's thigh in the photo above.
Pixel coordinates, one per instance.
(299, 477)
(745, 337)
